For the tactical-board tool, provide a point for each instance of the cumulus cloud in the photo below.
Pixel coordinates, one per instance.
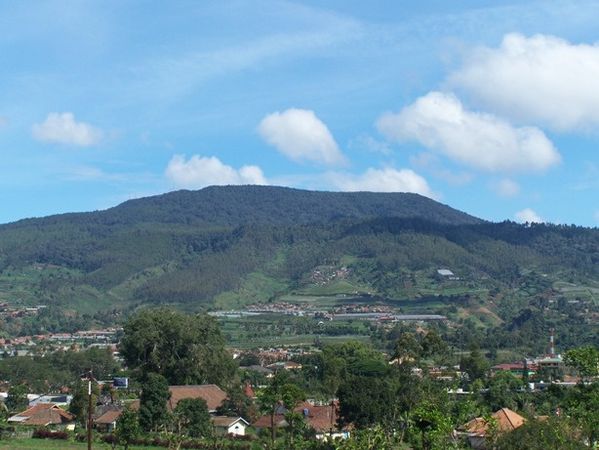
(506, 188)
(301, 136)
(382, 180)
(199, 171)
(540, 79)
(61, 128)
(527, 215)
(439, 122)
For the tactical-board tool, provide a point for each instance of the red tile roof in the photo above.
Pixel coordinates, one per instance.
(320, 418)
(43, 414)
(211, 393)
(507, 420)
(108, 417)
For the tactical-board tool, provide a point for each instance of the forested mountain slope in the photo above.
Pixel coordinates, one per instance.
(190, 247)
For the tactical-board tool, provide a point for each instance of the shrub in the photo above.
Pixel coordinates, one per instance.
(43, 433)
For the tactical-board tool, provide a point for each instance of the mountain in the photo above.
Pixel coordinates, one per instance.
(230, 206)
(225, 246)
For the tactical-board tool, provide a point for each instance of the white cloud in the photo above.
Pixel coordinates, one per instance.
(301, 136)
(596, 216)
(382, 180)
(541, 79)
(506, 188)
(527, 215)
(198, 172)
(62, 128)
(439, 122)
(3, 121)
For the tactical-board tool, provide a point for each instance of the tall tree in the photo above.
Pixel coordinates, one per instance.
(127, 427)
(185, 349)
(153, 413)
(17, 398)
(191, 418)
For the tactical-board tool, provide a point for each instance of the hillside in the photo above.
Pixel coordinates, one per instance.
(229, 246)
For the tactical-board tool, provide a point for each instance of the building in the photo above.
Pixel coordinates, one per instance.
(210, 393)
(476, 430)
(229, 426)
(45, 415)
(322, 419)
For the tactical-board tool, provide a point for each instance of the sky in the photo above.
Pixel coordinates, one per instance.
(489, 107)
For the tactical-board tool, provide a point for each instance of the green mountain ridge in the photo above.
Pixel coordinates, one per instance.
(226, 246)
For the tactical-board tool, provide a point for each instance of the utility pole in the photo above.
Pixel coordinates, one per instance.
(87, 375)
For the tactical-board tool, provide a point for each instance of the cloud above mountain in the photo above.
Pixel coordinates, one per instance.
(544, 80)
(382, 180)
(62, 128)
(198, 171)
(301, 136)
(439, 122)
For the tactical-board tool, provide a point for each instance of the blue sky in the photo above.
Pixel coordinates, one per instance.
(490, 107)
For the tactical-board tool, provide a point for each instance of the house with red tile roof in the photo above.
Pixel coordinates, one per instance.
(210, 393)
(477, 429)
(45, 415)
(106, 420)
(322, 419)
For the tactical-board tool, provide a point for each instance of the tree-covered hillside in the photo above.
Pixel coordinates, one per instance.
(234, 245)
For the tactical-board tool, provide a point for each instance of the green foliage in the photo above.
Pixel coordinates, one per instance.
(153, 413)
(127, 428)
(281, 392)
(584, 359)
(58, 369)
(79, 406)
(475, 365)
(435, 425)
(191, 418)
(16, 401)
(552, 434)
(185, 349)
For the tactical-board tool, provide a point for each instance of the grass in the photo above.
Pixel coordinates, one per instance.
(43, 444)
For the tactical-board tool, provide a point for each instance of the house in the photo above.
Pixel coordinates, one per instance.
(477, 429)
(225, 426)
(210, 393)
(45, 415)
(106, 420)
(322, 419)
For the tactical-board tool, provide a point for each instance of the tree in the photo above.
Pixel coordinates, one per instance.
(503, 391)
(237, 404)
(80, 403)
(367, 401)
(191, 417)
(551, 434)
(585, 360)
(280, 393)
(185, 349)
(17, 398)
(127, 427)
(153, 413)
(433, 424)
(407, 349)
(475, 365)
(582, 405)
